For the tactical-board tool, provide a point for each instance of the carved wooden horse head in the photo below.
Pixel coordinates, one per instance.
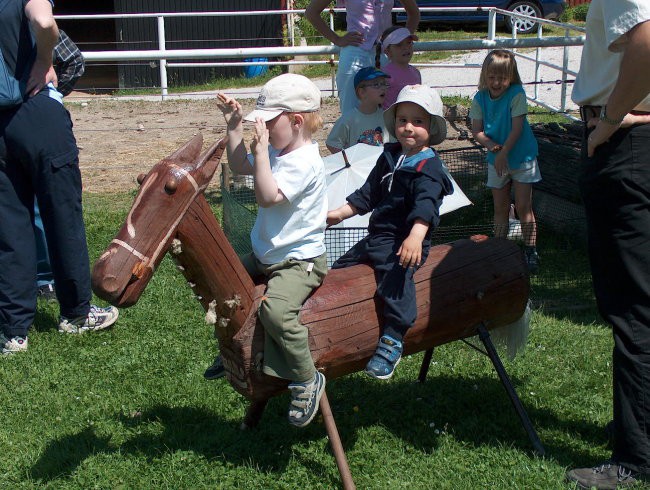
(124, 269)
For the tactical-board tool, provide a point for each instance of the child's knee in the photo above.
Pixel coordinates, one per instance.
(271, 314)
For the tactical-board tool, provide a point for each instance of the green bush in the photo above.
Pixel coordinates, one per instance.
(306, 29)
(575, 14)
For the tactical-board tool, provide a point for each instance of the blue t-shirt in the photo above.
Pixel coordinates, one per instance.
(497, 117)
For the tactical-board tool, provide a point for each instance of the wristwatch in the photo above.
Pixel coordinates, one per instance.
(608, 120)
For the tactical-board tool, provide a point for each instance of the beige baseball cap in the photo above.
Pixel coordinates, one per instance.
(289, 92)
(430, 101)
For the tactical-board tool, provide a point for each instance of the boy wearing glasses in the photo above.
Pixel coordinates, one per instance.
(364, 124)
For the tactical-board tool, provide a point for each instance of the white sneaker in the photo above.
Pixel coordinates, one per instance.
(11, 345)
(98, 319)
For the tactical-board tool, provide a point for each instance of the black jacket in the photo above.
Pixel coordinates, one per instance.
(397, 199)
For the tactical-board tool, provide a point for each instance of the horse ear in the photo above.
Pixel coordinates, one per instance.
(209, 161)
(189, 152)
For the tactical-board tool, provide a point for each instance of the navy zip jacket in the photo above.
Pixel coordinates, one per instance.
(397, 197)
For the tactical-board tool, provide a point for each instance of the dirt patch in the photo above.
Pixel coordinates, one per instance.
(120, 139)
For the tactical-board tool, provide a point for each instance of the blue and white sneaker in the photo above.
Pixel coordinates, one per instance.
(385, 359)
(305, 399)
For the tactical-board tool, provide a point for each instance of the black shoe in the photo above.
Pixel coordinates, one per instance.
(607, 476)
(47, 292)
(215, 371)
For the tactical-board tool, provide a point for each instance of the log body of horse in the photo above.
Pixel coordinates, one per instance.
(463, 284)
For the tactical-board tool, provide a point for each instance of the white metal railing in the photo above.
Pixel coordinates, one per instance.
(162, 54)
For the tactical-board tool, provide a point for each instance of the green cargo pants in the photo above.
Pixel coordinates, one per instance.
(290, 282)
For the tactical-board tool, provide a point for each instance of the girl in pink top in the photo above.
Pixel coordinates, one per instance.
(397, 44)
(366, 21)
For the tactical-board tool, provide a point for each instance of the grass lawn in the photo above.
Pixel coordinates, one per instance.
(129, 408)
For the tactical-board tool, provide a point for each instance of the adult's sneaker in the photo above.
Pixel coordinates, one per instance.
(385, 359)
(12, 345)
(606, 476)
(97, 319)
(305, 399)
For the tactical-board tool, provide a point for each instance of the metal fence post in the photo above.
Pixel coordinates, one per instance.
(537, 65)
(163, 62)
(332, 69)
(492, 25)
(565, 67)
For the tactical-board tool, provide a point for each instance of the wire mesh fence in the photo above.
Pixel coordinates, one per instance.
(563, 279)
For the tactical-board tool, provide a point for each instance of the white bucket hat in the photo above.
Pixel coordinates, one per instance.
(285, 93)
(430, 101)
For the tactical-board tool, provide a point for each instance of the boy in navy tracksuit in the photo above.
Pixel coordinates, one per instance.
(404, 192)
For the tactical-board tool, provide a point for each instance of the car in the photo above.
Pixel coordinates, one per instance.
(546, 9)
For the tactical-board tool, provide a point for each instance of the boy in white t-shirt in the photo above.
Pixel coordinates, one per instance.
(288, 235)
(364, 124)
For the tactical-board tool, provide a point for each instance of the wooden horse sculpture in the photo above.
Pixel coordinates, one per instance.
(465, 287)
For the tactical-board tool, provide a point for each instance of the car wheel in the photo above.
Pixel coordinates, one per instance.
(524, 26)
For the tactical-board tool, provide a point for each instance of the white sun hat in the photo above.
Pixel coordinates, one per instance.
(427, 98)
(289, 92)
(396, 37)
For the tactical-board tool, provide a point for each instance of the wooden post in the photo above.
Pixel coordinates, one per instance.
(335, 442)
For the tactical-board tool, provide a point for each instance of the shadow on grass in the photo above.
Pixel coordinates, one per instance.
(474, 411)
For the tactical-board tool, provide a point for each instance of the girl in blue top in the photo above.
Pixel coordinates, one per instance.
(499, 123)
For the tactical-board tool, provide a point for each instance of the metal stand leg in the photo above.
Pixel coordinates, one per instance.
(335, 442)
(507, 384)
(424, 368)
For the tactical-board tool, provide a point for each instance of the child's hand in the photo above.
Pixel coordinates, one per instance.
(231, 110)
(501, 164)
(260, 141)
(410, 252)
(333, 217)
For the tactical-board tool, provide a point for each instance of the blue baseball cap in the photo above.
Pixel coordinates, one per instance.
(368, 73)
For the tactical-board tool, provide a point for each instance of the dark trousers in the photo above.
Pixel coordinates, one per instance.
(39, 156)
(395, 284)
(615, 187)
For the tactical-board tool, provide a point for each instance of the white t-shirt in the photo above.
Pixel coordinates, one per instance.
(608, 24)
(294, 228)
(356, 127)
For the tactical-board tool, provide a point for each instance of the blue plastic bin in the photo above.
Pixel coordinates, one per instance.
(252, 71)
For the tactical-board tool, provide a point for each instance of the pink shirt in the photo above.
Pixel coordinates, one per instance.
(369, 17)
(400, 77)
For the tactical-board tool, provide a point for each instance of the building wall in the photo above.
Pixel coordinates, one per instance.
(193, 32)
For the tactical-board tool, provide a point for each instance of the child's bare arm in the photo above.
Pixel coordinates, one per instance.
(479, 135)
(335, 216)
(501, 161)
(410, 252)
(233, 114)
(267, 192)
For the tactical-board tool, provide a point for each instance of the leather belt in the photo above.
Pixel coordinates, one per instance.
(590, 111)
